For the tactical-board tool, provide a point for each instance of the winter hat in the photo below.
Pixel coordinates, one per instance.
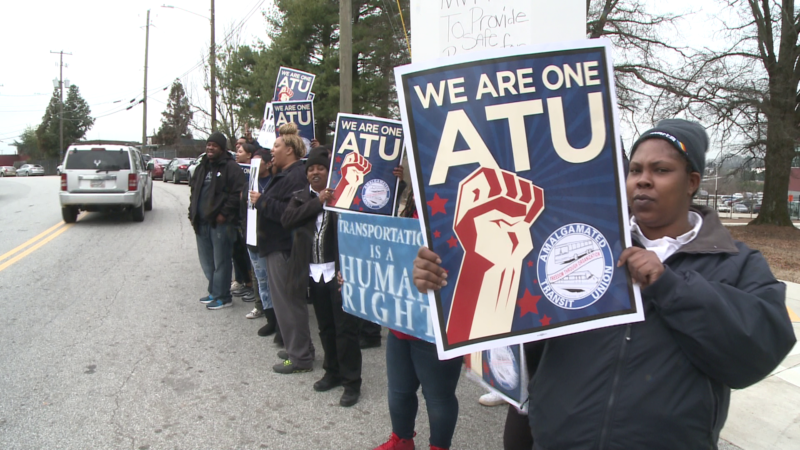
(319, 156)
(219, 139)
(689, 138)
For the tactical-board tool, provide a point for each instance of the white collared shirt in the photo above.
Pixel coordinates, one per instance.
(667, 246)
(324, 271)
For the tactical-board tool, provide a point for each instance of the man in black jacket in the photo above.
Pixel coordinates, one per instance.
(214, 213)
(316, 249)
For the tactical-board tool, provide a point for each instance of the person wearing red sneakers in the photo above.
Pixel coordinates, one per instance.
(410, 363)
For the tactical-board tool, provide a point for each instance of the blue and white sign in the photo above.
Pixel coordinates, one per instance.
(517, 166)
(293, 85)
(300, 112)
(366, 151)
(502, 370)
(376, 259)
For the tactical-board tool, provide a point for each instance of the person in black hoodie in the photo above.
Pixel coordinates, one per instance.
(286, 288)
(316, 248)
(214, 213)
(715, 320)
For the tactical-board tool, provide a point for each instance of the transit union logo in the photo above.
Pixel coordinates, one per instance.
(575, 266)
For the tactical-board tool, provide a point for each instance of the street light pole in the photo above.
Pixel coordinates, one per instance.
(213, 65)
(144, 95)
(61, 102)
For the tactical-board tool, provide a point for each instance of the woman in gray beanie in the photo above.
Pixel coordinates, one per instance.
(715, 319)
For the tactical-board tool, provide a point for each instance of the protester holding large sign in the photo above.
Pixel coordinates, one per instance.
(518, 168)
(315, 246)
(715, 319)
(366, 152)
(293, 85)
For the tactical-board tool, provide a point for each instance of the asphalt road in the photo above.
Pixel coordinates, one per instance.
(105, 346)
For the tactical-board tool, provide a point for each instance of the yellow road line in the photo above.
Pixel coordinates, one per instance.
(30, 241)
(32, 249)
(792, 316)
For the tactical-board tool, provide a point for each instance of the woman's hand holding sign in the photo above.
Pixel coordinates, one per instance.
(354, 168)
(493, 217)
(644, 266)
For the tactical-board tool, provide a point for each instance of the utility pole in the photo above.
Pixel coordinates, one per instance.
(345, 56)
(144, 92)
(213, 66)
(61, 103)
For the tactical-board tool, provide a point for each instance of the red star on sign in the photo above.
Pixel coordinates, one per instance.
(545, 320)
(436, 234)
(527, 304)
(338, 159)
(530, 263)
(437, 205)
(452, 242)
(357, 200)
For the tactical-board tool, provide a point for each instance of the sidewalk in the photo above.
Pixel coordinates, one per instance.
(767, 415)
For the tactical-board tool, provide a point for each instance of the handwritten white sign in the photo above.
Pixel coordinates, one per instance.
(443, 28)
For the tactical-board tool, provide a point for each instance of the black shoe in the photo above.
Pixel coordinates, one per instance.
(349, 398)
(278, 339)
(369, 343)
(327, 383)
(272, 323)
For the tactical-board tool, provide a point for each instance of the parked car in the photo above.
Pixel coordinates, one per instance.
(177, 170)
(156, 167)
(30, 169)
(109, 178)
(722, 207)
(8, 171)
(193, 166)
(59, 169)
(740, 208)
(757, 208)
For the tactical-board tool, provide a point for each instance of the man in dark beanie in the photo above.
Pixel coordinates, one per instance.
(214, 213)
(315, 252)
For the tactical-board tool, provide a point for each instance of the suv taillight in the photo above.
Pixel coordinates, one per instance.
(183, 167)
(63, 182)
(133, 182)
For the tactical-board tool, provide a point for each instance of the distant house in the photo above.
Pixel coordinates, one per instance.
(794, 183)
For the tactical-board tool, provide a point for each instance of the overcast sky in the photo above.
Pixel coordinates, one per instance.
(107, 42)
(106, 39)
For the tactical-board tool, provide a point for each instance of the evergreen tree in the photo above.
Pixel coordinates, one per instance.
(176, 118)
(77, 121)
(28, 144)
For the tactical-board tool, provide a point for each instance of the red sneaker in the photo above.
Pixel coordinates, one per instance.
(395, 443)
(433, 447)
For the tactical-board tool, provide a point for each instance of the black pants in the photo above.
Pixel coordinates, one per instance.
(517, 433)
(369, 331)
(338, 332)
(241, 260)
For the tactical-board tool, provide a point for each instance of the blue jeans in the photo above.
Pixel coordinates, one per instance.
(260, 269)
(215, 247)
(409, 364)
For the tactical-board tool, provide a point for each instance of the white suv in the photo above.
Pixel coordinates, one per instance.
(105, 178)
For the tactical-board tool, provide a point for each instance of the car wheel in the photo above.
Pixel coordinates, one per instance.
(148, 205)
(69, 214)
(138, 212)
(2, 174)
(164, 177)
(175, 179)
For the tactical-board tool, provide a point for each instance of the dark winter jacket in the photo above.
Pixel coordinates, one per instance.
(272, 237)
(227, 183)
(716, 319)
(301, 218)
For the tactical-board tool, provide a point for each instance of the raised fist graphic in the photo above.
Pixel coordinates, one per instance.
(494, 213)
(354, 168)
(285, 94)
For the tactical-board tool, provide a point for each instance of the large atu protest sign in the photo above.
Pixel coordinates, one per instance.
(376, 255)
(366, 151)
(300, 112)
(517, 167)
(293, 85)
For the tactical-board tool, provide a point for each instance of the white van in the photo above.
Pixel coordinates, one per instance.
(105, 178)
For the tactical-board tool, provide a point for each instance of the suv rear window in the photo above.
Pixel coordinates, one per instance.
(98, 160)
